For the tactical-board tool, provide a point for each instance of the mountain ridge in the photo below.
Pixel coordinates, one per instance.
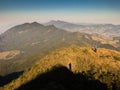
(101, 65)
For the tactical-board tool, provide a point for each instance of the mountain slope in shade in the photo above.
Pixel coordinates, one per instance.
(103, 65)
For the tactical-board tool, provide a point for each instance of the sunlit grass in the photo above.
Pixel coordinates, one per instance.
(102, 65)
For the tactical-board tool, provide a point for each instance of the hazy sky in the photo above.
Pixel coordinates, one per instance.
(13, 12)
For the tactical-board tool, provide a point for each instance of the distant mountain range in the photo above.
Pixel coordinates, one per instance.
(102, 29)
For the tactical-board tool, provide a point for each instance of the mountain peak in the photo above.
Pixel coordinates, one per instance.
(57, 21)
(31, 24)
(36, 24)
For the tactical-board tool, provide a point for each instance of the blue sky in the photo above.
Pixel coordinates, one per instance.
(84, 11)
(9, 5)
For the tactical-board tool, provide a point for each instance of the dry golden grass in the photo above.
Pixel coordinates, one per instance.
(81, 59)
(103, 41)
(9, 54)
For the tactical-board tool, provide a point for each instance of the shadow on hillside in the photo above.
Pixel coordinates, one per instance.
(8, 78)
(60, 78)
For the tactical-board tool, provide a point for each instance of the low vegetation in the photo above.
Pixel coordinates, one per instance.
(101, 65)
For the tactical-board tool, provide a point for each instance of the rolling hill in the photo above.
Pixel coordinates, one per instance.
(72, 68)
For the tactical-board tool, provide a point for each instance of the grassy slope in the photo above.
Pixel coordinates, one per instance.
(103, 65)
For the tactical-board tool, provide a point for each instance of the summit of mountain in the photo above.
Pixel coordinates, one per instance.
(25, 26)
